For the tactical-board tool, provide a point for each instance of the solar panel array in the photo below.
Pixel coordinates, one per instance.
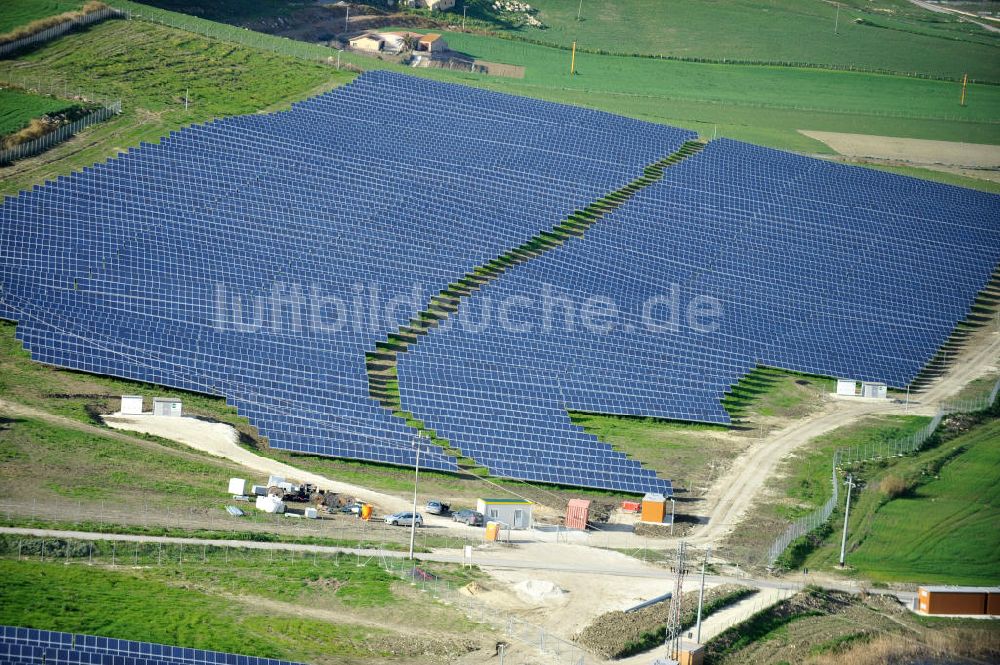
(223, 259)
(815, 267)
(29, 646)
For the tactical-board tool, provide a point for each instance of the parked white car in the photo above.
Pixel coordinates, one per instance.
(404, 519)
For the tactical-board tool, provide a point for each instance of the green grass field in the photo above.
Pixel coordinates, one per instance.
(17, 108)
(894, 35)
(236, 601)
(21, 12)
(940, 530)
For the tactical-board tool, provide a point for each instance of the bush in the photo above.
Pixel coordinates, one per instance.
(893, 486)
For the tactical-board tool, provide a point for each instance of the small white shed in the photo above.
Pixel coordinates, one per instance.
(166, 406)
(847, 387)
(514, 513)
(131, 405)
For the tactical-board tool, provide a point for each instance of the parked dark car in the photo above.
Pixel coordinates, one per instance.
(470, 517)
(437, 508)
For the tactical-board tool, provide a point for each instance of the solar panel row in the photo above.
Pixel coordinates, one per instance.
(260, 257)
(805, 264)
(28, 646)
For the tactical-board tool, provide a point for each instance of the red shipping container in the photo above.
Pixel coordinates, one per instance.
(577, 513)
(631, 506)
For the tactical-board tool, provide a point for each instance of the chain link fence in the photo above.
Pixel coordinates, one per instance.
(844, 457)
(43, 143)
(59, 29)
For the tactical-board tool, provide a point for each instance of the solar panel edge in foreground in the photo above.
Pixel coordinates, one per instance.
(28, 646)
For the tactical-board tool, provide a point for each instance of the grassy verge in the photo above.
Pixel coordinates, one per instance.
(769, 393)
(17, 13)
(930, 517)
(318, 611)
(802, 483)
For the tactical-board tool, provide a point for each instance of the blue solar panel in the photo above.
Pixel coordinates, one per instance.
(28, 646)
(245, 257)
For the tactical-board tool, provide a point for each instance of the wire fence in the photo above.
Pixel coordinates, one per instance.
(59, 29)
(875, 450)
(43, 143)
(51, 86)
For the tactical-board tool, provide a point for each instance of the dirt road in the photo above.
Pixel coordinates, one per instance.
(733, 493)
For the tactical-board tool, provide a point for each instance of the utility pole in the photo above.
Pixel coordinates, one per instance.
(836, 22)
(673, 512)
(674, 620)
(847, 514)
(701, 594)
(572, 62)
(347, 18)
(965, 83)
(413, 518)
(187, 92)
(579, 11)
(463, 15)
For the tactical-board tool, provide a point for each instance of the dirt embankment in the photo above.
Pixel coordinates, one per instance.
(621, 634)
(974, 160)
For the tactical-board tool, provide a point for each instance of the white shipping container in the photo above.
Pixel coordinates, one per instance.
(311, 513)
(237, 485)
(258, 490)
(273, 481)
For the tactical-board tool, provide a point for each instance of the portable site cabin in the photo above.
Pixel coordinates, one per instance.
(166, 406)
(515, 513)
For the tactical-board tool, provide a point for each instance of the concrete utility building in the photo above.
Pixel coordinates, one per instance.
(514, 513)
(166, 406)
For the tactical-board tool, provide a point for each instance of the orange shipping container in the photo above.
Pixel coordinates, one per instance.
(993, 603)
(953, 599)
(577, 514)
